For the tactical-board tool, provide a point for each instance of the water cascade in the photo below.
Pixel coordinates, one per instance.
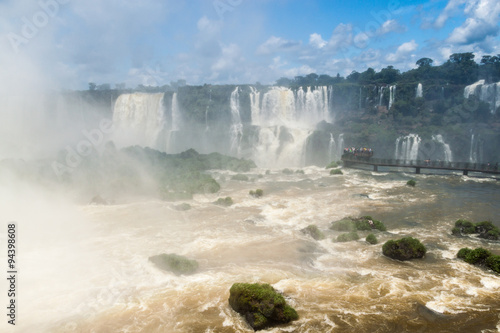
(236, 130)
(392, 95)
(476, 149)
(139, 119)
(446, 147)
(380, 95)
(419, 91)
(489, 93)
(285, 119)
(407, 147)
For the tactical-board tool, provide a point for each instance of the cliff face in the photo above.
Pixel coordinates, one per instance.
(281, 126)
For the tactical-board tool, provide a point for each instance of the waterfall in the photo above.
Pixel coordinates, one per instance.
(380, 95)
(489, 93)
(446, 147)
(340, 147)
(236, 130)
(284, 119)
(139, 119)
(392, 95)
(419, 91)
(331, 147)
(476, 149)
(175, 126)
(407, 147)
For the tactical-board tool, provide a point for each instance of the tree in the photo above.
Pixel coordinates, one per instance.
(284, 82)
(92, 86)
(461, 68)
(424, 62)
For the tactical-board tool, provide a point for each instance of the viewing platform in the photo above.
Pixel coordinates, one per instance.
(418, 165)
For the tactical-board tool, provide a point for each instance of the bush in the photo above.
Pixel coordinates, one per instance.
(371, 239)
(477, 256)
(404, 249)
(300, 171)
(257, 193)
(314, 232)
(287, 171)
(175, 263)
(183, 207)
(332, 165)
(227, 201)
(260, 305)
(411, 182)
(343, 225)
(347, 237)
(493, 263)
(336, 172)
(484, 229)
(240, 177)
(462, 253)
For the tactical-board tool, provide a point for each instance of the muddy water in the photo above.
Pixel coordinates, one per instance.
(335, 287)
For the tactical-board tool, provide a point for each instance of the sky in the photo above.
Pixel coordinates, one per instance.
(65, 44)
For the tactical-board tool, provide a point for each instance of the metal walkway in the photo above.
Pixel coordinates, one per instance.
(419, 165)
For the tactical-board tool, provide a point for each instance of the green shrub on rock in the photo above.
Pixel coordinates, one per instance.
(493, 263)
(257, 193)
(336, 172)
(480, 257)
(240, 177)
(345, 224)
(364, 223)
(174, 263)
(332, 165)
(226, 202)
(484, 229)
(477, 256)
(260, 305)
(183, 207)
(411, 182)
(314, 232)
(371, 239)
(404, 249)
(347, 237)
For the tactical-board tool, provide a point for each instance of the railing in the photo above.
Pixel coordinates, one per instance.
(465, 166)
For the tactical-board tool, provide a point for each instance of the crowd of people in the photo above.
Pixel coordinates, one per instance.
(363, 152)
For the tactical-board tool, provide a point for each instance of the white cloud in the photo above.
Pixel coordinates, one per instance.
(390, 26)
(448, 11)
(482, 22)
(403, 52)
(342, 37)
(317, 41)
(277, 44)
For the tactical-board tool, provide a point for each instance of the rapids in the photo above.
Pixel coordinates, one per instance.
(85, 268)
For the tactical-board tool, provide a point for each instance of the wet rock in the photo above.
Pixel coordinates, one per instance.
(260, 305)
(98, 200)
(406, 248)
(174, 263)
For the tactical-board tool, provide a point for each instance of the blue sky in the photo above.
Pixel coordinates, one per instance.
(64, 44)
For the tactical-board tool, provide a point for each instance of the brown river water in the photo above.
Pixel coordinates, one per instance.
(85, 268)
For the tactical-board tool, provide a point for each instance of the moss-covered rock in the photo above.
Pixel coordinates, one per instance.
(257, 193)
(336, 172)
(175, 263)
(332, 165)
(364, 223)
(347, 237)
(371, 239)
(300, 171)
(480, 257)
(226, 202)
(240, 177)
(314, 232)
(287, 171)
(484, 229)
(411, 183)
(260, 305)
(406, 248)
(183, 207)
